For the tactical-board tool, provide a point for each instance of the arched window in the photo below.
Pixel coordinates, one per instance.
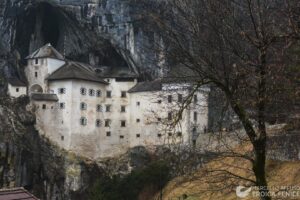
(83, 106)
(36, 89)
(83, 121)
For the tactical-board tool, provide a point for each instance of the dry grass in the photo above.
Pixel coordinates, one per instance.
(219, 178)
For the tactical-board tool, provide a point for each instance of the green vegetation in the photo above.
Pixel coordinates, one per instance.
(154, 176)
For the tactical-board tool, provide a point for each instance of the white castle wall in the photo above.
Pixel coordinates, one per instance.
(16, 91)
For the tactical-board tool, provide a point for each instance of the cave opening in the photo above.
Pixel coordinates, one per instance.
(50, 24)
(37, 26)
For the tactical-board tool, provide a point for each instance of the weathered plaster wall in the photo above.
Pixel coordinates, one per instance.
(16, 91)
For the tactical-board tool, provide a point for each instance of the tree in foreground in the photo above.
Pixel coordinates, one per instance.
(238, 47)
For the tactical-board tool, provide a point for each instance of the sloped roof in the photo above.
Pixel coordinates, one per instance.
(16, 194)
(46, 51)
(44, 97)
(16, 82)
(147, 86)
(75, 70)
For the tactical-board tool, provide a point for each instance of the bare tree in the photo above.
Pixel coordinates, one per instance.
(238, 47)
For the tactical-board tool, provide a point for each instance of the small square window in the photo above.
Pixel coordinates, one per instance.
(107, 108)
(123, 94)
(35, 74)
(82, 91)
(138, 135)
(108, 134)
(99, 93)
(123, 123)
(159, 101)
(83, 121)
(62, 138)
(62, 105)
(61, 90)
(159, 119)
(179, 134)
(98, 123)
(121, 136)
(159, 135)
(44, 106)
(107, 80)
(138, 103)
(107, 123)
(138, 120)
(108, 94)
(99, 108)
(123, 108)
(17, 89)
(83, 106)
(169, 134)
(92, 92)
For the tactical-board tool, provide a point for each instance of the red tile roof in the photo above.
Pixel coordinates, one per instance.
(16, 194)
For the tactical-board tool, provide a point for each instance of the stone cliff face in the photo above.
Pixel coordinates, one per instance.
(101, 32)
(31, 161)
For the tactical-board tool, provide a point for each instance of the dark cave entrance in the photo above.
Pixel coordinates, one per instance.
(50, 25)
(37, 26)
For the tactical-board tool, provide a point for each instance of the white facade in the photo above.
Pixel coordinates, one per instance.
(101, 119)
(16, 91)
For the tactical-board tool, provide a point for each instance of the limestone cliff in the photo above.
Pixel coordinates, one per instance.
(31, 161)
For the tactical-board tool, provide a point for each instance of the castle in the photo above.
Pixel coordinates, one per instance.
(100, 112)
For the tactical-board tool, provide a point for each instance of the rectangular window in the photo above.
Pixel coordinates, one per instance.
(92, 92)
(123, 94)
(169, 98)
(61, 90)
(98, 123)
(83, 106)
(138, 120)
(159, 135)
(169, 134)
(159, 101)
(138, 135)
(36, 61)
(99, 108)
(123, 123)
(17, 89)
(138, 103)
(170, 116)
(195, 116)
(123, 108)
(44, 106)
(82, 91)
(179, 134)
(62, 105)
(121, 136)
(107, 123)
(195, 99)
(108, 134)
(62, 138)
(35, 74)
(99, 94)
(107, 108)
(180, 98)
(108, 94)
(83, 121)
(159, 119)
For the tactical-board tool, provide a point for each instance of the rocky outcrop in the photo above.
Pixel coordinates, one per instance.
(101, 32)
(31, 161)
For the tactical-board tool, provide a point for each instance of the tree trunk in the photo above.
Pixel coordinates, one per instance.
(259, 168)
